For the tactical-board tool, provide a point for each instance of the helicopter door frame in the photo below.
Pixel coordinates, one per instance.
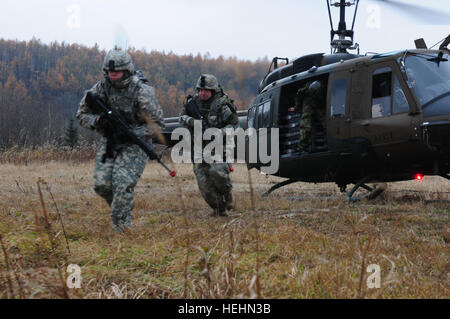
(251, 114)
(263, 109)
(387, 132)
(338, 115)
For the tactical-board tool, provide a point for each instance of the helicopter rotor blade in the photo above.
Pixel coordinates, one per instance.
(423, 14)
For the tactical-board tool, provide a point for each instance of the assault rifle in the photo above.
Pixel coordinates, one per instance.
(116, 120)
(193, 111)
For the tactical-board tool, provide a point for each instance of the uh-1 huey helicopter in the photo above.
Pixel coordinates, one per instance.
(387, 116)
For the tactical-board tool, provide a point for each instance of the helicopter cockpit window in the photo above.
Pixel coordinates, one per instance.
(429, 77)
(338, 95)
(381, 92)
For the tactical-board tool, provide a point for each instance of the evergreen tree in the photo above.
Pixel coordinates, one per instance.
(71, 134)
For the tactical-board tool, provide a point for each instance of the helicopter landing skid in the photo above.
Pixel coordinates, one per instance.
(279, 185)
(372, 192)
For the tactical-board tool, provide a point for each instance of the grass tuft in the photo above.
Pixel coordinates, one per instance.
(303, 241)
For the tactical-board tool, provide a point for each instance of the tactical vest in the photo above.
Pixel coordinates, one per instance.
(213, 112)
(124, 100)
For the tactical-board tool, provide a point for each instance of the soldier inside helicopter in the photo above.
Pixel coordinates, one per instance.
(303, 126)
(310, 101)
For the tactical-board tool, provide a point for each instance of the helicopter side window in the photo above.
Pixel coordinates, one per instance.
(338, 95)
(262, 115)
(381, 92)
(259, 115)
(251, 117)
(400, 104)
(266, 114)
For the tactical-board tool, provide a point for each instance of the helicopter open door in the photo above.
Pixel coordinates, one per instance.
(289, 118)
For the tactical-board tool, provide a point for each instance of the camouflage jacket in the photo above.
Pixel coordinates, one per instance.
(136, 101)
(219, 112)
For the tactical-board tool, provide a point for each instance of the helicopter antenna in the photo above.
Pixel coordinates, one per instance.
(445, 44)
(344, 41)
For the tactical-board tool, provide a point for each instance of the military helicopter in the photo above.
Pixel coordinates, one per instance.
(387, 116)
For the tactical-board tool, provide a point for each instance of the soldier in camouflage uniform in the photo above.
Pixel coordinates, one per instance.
(310, 99)
(118, 163)
(218, 109)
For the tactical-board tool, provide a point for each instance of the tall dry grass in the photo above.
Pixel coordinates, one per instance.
(303, 241)
(46, 153)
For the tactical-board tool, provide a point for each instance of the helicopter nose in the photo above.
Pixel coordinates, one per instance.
(435, 135)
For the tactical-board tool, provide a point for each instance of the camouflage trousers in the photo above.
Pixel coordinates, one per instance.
(215, 184)
(115, 179)
(306, 126)
(310, 115)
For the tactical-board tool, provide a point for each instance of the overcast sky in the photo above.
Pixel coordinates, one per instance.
(246, 29)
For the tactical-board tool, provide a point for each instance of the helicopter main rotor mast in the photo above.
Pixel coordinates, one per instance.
(342, 44)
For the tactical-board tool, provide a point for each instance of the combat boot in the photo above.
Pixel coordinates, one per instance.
(219, 213)
(229, 201)
(118, 229)
(121, 229)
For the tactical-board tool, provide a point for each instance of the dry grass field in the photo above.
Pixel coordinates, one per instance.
(303, 241)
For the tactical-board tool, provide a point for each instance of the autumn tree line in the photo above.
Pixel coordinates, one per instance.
(41, 86)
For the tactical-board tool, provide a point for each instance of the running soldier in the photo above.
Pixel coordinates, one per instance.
(218, 111)
(119, 163)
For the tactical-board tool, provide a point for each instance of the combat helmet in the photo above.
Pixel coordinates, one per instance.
(315, 87)
(209, 82)
(118, 60)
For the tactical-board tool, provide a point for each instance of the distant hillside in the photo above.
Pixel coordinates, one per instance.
(41, 85)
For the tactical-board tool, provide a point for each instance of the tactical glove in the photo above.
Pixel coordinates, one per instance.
(153, 156)
(90, 99)
(105, 125)
(188, 120)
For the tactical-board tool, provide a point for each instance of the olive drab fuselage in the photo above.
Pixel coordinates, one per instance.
(359, 141)
(379, 126)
